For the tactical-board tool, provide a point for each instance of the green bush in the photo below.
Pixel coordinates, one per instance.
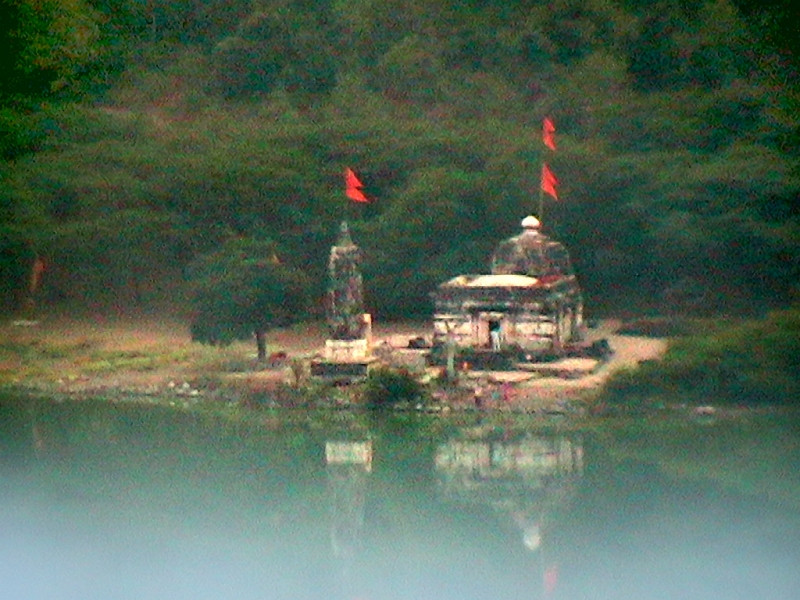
(752, 363)
(385, 387)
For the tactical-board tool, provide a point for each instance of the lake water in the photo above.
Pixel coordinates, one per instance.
(114, 502)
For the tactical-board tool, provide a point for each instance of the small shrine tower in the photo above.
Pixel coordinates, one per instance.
(345, 289)
(348, 350)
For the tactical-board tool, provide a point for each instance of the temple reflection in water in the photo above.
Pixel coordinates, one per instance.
(348, 465)
(528, 479)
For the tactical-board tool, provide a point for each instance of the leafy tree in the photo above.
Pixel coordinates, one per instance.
(242, 290)
(411, 69)
(654, 54)
(276, 48)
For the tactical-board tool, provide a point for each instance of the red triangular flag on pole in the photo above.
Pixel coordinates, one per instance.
(351, 180)
(548, 129)
(353, 186)
(356, 195)
(549, 181)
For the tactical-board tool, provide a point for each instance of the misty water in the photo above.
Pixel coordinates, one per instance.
(121, 501)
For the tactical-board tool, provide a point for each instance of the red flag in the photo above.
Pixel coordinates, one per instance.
(353, 186)
(549, 181)
(351, 180)
(548, 129)
(356, 195)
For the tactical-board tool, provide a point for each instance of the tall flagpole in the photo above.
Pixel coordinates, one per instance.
(541, 196)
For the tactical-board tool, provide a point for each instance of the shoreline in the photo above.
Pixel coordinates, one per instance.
(147, 358)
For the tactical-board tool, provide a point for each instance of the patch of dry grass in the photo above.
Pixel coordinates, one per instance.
(123, 352)
(132, 348)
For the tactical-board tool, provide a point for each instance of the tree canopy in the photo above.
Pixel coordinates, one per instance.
(137, 137)
(244, 289)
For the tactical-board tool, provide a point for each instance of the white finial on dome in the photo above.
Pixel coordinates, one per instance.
(530, 222)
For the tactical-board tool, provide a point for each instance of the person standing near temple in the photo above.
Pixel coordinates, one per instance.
(494, 335)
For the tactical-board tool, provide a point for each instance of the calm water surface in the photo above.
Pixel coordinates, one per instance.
(113, 502)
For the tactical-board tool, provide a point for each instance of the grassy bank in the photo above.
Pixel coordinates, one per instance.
(155, 358)
(708, 362)
(747, 363)
(135, 353)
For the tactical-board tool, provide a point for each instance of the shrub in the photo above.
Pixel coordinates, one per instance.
(750, 363)
(386, 387)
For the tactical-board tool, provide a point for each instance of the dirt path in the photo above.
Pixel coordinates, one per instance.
(554, 393)
(627, 353)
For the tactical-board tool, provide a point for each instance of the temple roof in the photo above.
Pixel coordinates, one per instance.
(485, 281)
(531, 253)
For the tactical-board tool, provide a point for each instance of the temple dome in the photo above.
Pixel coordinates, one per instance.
(531, 253)
(530, 222)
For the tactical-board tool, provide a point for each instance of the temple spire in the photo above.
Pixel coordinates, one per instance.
(345, 289)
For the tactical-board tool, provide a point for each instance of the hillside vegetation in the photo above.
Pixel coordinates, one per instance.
(139, 136)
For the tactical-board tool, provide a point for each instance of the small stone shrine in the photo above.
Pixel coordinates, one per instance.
(530, 301)
(348, 351)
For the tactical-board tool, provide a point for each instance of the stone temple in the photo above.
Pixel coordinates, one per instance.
(531, 300)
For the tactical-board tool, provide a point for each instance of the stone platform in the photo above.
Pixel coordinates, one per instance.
(341, 372)
(347, 350)
(345, 361)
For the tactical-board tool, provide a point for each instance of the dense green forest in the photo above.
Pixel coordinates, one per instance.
(137, 136)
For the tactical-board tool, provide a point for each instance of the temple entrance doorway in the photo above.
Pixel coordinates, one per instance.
(495, 335)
